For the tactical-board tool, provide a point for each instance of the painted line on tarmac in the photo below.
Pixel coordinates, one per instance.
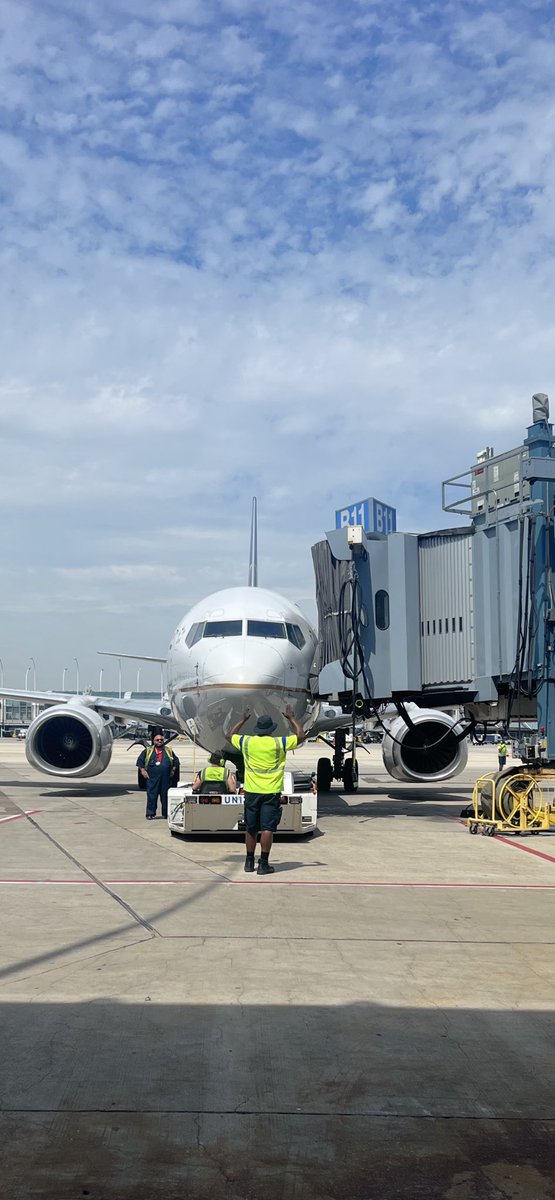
(507, 841)
(510, 841)
(371, 883)
(29, 812)
(336, 883)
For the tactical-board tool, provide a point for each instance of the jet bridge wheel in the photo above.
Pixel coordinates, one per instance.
(350, 775)
(324, 775)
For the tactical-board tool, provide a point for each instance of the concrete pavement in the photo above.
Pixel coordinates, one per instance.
(375, 1021)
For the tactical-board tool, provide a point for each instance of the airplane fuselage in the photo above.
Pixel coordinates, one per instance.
(241, 648)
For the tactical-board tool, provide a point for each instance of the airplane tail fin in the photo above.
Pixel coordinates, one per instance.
(253, 552)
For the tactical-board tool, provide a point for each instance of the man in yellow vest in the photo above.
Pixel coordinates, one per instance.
(502, 751)
(215, 777)
(264, 758)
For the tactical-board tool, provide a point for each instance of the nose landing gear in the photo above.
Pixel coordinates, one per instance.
(350, 775)
(324, 775)
(344, 769)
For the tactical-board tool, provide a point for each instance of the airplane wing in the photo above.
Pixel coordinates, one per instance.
(135, 657)
(154, 712)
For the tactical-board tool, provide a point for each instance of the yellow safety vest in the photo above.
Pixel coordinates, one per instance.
(213, 772)
(150, 752)
(264, 759)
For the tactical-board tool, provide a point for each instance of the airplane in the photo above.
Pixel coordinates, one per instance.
(239, 648)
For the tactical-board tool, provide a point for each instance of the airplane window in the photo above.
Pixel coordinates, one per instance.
(296, 635)
(214, 629)
(265, 629)
(194, 634)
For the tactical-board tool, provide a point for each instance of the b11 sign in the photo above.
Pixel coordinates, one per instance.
(374, 516)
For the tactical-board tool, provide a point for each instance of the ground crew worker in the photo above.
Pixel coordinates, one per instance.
(216, 777)
(502, 751)
(264, 758)
(159, 766)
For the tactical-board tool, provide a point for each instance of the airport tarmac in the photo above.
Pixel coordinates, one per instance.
(373, 1022)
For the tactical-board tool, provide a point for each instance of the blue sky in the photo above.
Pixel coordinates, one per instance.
(302, 250)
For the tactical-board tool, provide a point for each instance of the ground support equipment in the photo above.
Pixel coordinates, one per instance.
(517, 801)
(190, 813)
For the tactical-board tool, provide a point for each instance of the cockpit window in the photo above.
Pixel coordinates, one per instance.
(265, 629)
(194, 634)
(296, 635)
(215, 629)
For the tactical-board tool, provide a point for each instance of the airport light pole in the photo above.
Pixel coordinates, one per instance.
(27, 677)
(32, 663)
(64, 673)
(119, 678)
(138, 679)
(100, 679)
(76, 676)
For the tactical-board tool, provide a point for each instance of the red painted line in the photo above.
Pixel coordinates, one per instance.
(19, 816)
(280, 882)
(511, 841)
(508, 841)
(48, 882)
(379, 883)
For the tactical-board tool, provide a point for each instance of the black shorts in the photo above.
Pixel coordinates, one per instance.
(262, 811)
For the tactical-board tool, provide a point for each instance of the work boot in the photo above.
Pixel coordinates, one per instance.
(264, 868)
(249, 863)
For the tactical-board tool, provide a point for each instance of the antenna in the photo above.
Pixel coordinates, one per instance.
(253, 552)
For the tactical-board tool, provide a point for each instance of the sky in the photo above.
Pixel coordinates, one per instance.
(297, 249)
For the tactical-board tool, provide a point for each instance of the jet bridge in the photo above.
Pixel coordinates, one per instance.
(459, 618)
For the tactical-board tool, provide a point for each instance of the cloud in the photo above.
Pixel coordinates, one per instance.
(298, 250)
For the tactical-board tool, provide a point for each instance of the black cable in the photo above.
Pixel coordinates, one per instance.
(481, 741)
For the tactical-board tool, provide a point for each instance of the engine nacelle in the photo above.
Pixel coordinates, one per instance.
(427, 753)
(69, 739)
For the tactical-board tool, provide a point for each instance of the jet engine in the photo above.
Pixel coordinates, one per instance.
(427, 750)
(69, 739)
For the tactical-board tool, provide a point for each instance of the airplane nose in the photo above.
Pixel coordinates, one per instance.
(244, 664)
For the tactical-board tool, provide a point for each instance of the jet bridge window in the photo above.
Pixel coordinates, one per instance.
(217, 629)
(382, 609)
(295, 635)
(194, 634)
(265, 629)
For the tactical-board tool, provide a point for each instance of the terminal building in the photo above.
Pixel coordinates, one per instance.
(16, 715)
